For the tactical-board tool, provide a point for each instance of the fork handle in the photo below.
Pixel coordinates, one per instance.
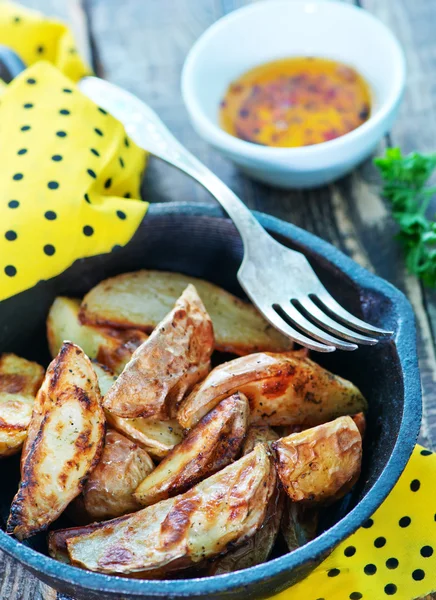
(245, 222)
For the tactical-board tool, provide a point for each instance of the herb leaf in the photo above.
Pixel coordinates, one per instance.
(404, 185)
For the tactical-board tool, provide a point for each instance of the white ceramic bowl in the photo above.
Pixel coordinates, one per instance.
(274, 29)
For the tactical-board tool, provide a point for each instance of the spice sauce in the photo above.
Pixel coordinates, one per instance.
(296, 101)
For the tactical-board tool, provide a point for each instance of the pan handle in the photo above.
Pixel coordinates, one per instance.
(11, 64)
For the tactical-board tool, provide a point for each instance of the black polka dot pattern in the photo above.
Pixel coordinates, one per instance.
(404, 522)
(49, 127)
(379, 542)
(369, 523)
(370, 569)
(418, 575)
(10, 271)
(333, 573)
(415, 485)
(390, 589)
(350, 551)
(426, 453)
(355, 596)
(88, 230)
(426, 551)
(11, 235)
(392, 563)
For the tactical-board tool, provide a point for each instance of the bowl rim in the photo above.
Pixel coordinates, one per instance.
(405, 339)
(217, 136)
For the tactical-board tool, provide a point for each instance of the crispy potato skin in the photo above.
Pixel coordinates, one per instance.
(167, 365)
(320, 464)
(209, 447)
(282, 389)
(108, 491)
(360, 421)
(20, 380)
(153, 435)
(65, 444)
(257, 549)
(112, 347)
(141, 300)
(224, 509)
(124, 343)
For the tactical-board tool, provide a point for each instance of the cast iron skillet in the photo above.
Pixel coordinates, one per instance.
(198, 240)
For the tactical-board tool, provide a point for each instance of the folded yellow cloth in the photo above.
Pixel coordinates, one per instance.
(70, 189)
(34, 37)
(70, 179)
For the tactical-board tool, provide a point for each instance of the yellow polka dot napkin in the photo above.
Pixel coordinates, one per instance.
(392, 555)
(69, 183)
(35, 37)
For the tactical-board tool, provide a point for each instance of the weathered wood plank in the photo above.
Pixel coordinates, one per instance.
(416, 130)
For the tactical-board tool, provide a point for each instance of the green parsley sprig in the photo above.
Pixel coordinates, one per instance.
(405, 186)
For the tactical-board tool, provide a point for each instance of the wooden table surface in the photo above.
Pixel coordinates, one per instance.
(141, 45)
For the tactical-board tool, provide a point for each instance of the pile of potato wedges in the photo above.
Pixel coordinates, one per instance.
(166, 465)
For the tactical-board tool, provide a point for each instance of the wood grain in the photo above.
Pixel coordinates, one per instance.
(141, 45)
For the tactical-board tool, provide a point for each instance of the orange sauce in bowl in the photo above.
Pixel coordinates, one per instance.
(295, 102)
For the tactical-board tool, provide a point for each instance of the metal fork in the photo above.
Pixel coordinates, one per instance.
(279, 281)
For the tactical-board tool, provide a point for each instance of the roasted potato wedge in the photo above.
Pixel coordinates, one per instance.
(209, 447)
(20, 380)
(167, 365)
(108, 491)
(19, 376)
(360, 421)
(65, 444)
(282, 389)
(141, 300)
(57, 540)
(258, 548)
(153, 435)
(258, 435)
(112, 347)
(299, 524)
(320, 464)
(227, 508)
